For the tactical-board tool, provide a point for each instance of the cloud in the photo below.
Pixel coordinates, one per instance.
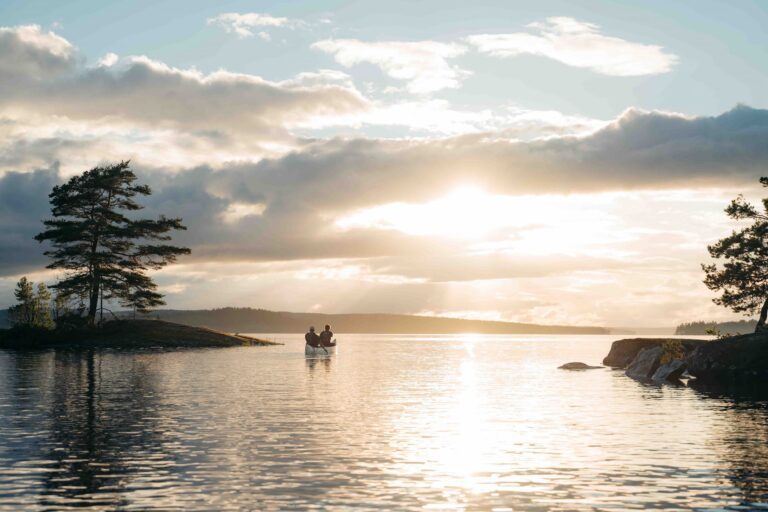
(23, 205)
(247, 24)
(286, 208)
(109, 59)
(54, 104)
(239, 158)
(151, 92)
(580, 45)
(60, 110)
(261, 232)
(639, 149)
(26, 51)
(437, 117)
(424, 65)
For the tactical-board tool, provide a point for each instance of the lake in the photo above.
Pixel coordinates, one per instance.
(391, 422)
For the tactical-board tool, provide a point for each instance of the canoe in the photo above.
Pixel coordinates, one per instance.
(319, 351)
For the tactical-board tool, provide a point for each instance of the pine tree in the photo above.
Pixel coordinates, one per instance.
(42, 308)
(743, 277)
(23, 312)
(103, 252)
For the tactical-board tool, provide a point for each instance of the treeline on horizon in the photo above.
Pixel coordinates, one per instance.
(263, 321)
(735, 327)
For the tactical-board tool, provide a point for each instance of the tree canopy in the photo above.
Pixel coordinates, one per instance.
(742, 278)
(104, 253)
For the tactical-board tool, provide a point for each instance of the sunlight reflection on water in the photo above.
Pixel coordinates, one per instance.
(394, 422)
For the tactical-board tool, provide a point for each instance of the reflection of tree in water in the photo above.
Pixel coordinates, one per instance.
(743, 444)
(98, 434)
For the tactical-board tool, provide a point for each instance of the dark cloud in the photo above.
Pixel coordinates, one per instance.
(305, 190)
(23, 204)
(639, 150)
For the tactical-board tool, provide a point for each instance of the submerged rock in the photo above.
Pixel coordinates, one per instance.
(623, 352)
(736, 359)
(645, 364)
(577, 366)
(669, 372)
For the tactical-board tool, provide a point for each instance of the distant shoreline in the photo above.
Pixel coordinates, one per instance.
(231, 319)
(282, 322)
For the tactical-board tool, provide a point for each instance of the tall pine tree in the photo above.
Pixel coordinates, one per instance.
(743, 277)
(104, 253)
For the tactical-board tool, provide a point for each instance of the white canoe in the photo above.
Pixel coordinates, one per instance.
(319, 351)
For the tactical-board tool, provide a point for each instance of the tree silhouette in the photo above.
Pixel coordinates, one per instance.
(104, 253)
(743, 277)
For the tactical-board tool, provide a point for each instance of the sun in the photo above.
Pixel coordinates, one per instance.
(542, 225)
(467, 212)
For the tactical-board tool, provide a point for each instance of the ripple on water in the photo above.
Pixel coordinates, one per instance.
(392, 422)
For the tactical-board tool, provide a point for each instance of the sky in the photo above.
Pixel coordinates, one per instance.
(556, 162)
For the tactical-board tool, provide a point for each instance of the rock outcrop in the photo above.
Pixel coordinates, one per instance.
(645, 364)
(623, 352)
(742, 359)
(731, 361)
(669, 372)
(577, 366)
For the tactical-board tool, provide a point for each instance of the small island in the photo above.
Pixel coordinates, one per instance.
(103, 255)
(126, 334)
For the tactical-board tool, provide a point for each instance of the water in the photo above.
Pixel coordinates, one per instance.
(391, 422)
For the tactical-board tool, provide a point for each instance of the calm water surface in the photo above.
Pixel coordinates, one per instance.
(391, 422)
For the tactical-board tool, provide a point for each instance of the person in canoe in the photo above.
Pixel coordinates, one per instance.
(326, 337)
(312, 339)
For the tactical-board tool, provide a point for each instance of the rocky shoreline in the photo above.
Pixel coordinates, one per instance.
(735, 360)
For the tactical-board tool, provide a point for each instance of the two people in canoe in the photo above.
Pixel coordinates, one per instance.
(324, 339)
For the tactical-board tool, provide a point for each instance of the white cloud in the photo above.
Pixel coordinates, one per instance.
(580, 45)
(244, 24)
(60, 110)
(32, 36)
(237, 211)
(27, 51)
(42, 77)
(108, 60)
(422, 64)
(438, 118)
(54, 107)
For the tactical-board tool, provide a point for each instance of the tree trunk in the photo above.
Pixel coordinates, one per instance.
(763, 314)
(93, 303)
